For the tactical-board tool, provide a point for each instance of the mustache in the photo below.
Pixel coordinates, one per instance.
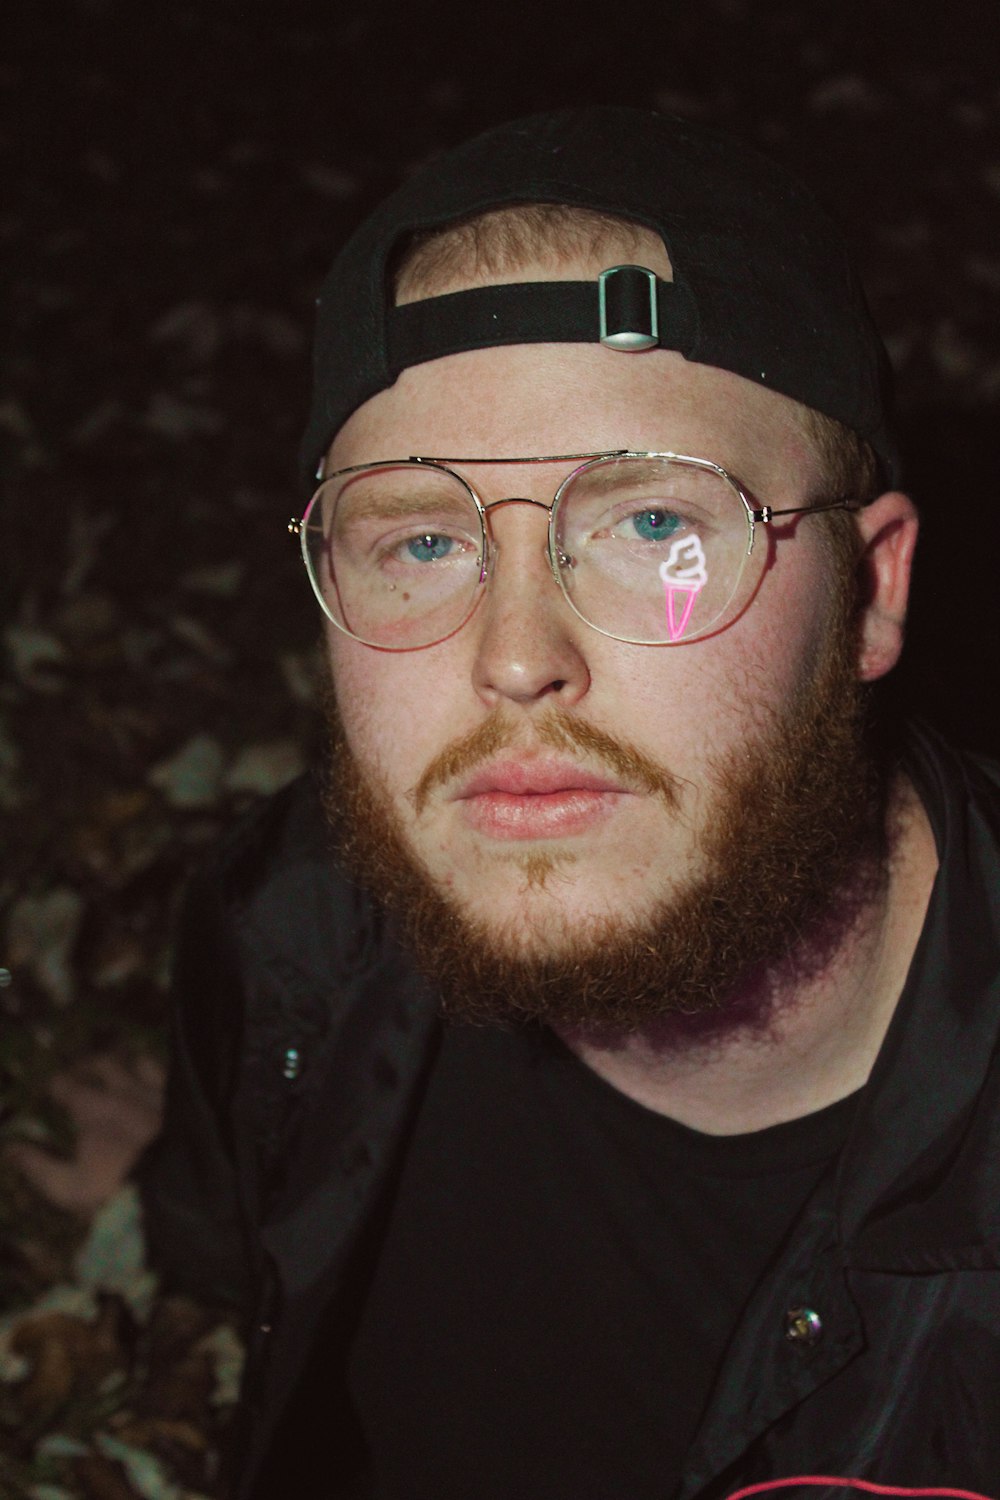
(558, 730)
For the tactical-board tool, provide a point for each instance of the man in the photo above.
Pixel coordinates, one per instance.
(610, 557)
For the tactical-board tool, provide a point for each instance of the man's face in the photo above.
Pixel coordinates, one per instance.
(556, 785)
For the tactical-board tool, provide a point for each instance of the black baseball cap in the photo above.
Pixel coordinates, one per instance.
(763, 284)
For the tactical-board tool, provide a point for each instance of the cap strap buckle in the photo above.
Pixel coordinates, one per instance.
(627, 310)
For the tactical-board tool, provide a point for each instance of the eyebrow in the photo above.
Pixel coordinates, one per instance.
(601, 481)
(602, 478)
(390, 507)
(682, 477)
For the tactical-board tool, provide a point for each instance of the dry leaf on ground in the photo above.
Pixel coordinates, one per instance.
(116, 1108)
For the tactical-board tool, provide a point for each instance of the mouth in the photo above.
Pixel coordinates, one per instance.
(536, 799)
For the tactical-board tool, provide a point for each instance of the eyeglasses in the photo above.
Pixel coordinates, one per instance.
(656, 549)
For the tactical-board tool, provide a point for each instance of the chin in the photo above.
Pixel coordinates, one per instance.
(542, 907)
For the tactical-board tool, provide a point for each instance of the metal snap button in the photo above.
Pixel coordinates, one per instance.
(803, 1325)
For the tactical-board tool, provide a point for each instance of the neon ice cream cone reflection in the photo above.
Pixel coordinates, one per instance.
(684, 576)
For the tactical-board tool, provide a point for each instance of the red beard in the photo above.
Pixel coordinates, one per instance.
(794, 853)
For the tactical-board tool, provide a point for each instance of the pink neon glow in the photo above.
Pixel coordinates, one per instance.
(683, 573)
(675, 627)
(770, 1485)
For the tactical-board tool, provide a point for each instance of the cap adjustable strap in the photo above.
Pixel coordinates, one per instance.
(627, 308)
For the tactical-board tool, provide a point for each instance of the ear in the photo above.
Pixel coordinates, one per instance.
(888, 528)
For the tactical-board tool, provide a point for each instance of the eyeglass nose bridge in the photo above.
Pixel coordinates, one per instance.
(554, 562)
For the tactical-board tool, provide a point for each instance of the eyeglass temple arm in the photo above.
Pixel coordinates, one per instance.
(767, 513)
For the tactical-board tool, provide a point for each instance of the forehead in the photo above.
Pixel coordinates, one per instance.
(532, 400)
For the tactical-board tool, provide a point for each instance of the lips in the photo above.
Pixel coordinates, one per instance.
(535, 778)
(536, 799)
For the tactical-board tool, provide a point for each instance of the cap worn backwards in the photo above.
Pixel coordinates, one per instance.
(762, 281)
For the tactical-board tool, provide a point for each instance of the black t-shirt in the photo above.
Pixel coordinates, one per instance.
(560, 1276)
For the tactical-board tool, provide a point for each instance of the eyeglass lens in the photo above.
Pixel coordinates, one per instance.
(646, 549)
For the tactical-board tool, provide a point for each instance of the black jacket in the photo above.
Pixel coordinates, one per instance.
(303, 1040)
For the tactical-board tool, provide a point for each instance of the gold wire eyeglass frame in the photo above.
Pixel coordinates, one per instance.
(756, 515)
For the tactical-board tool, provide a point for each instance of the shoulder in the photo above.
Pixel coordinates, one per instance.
(273, 936)
(960, 793)
(959, 788)
(286, 827)
(275, 878)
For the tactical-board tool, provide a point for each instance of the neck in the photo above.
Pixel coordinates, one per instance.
(828, 1017)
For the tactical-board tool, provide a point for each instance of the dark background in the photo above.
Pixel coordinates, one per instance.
(178, 176)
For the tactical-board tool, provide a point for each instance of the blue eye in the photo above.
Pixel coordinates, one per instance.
(654, 525)
(429, 548)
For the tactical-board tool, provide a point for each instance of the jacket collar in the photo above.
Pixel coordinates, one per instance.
(915, 1189)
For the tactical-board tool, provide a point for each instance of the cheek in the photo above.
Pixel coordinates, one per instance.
(701, 700)
(686, 703)
(791, 618)
(393, 707)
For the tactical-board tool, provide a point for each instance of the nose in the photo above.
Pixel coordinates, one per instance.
(530, 645)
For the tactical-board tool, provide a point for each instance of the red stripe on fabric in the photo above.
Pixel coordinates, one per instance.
(856, 1484)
